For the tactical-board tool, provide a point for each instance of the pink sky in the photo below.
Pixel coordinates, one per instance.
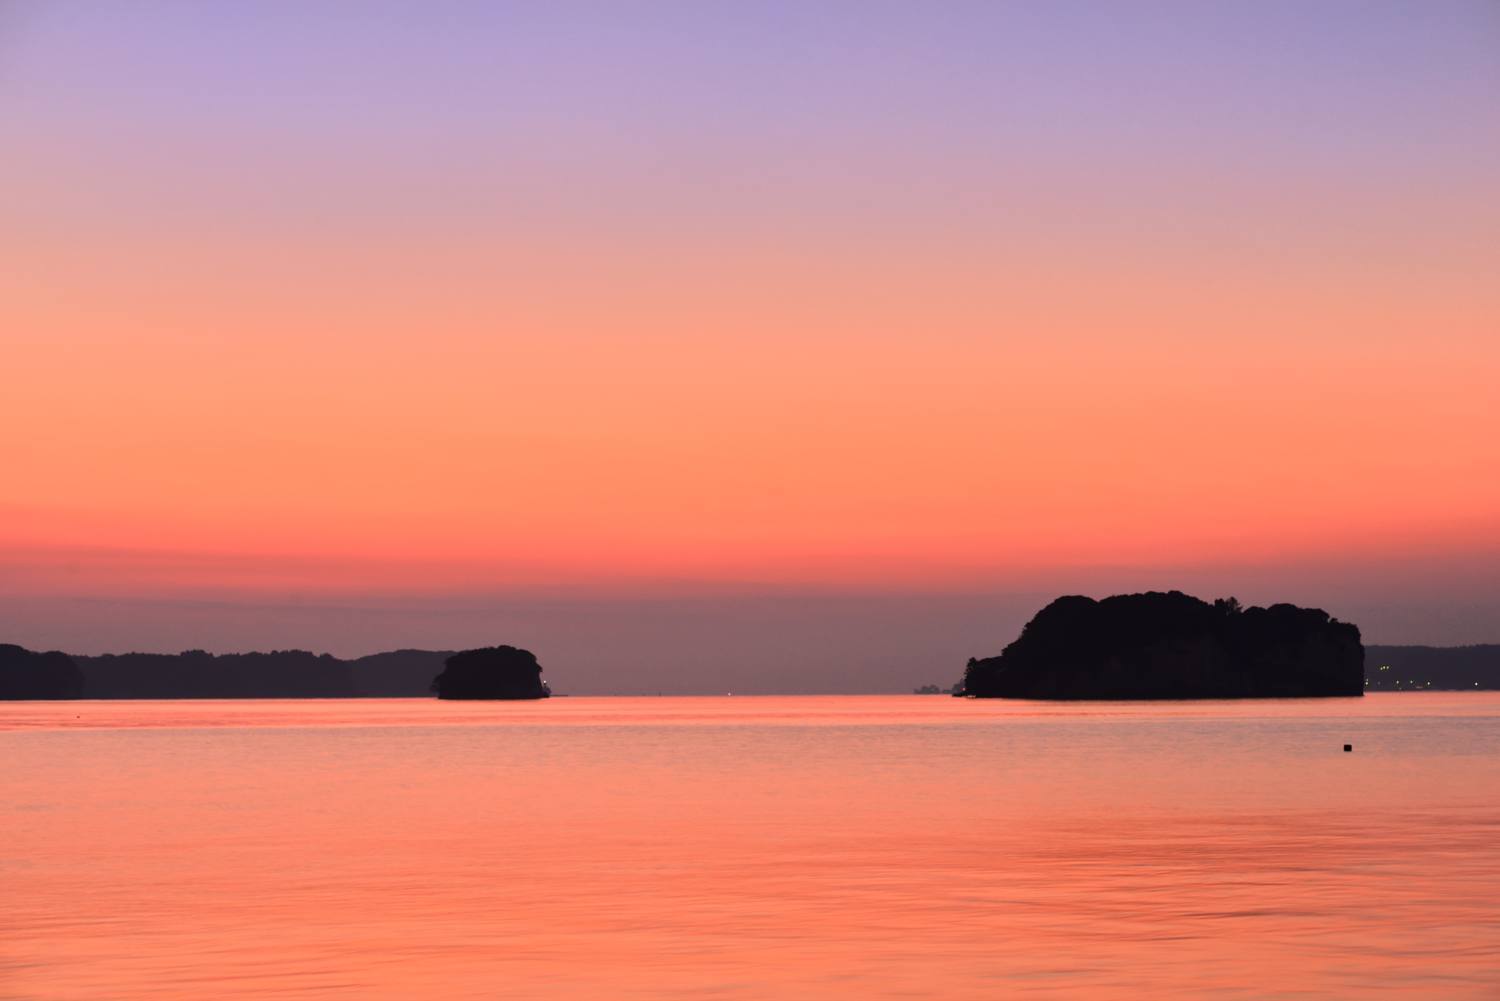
(354, 307)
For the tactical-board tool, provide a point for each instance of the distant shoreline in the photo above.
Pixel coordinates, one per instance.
(408, 673)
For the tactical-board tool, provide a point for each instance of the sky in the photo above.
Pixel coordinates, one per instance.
(792, 346)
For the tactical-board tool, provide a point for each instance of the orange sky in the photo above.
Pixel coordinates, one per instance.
(243, 352)
(784, 412)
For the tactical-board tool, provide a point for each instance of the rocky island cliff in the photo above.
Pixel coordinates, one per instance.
(1173, 646)
(496, 672)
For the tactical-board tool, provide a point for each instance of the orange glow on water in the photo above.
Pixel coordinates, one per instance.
(826, 848)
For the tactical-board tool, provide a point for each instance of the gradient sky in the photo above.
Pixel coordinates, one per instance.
(587, 326)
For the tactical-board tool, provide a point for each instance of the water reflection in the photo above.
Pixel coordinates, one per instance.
(751, 848)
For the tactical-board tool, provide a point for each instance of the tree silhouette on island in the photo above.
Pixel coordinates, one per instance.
(495, 672)
(25, 674)
(1173, 646)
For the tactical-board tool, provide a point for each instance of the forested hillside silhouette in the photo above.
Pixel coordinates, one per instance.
(1173, 646)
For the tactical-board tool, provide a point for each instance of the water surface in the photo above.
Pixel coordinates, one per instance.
(807, 847)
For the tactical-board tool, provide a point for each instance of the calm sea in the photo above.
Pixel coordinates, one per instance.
(810, 847)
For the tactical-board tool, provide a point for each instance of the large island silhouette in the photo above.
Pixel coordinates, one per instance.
(1173, 646)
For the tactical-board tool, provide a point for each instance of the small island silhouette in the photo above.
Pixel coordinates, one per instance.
(277, 674)
(495, 672)
(1173, 646)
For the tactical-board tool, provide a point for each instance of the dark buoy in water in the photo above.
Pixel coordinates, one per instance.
(1348, 747)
